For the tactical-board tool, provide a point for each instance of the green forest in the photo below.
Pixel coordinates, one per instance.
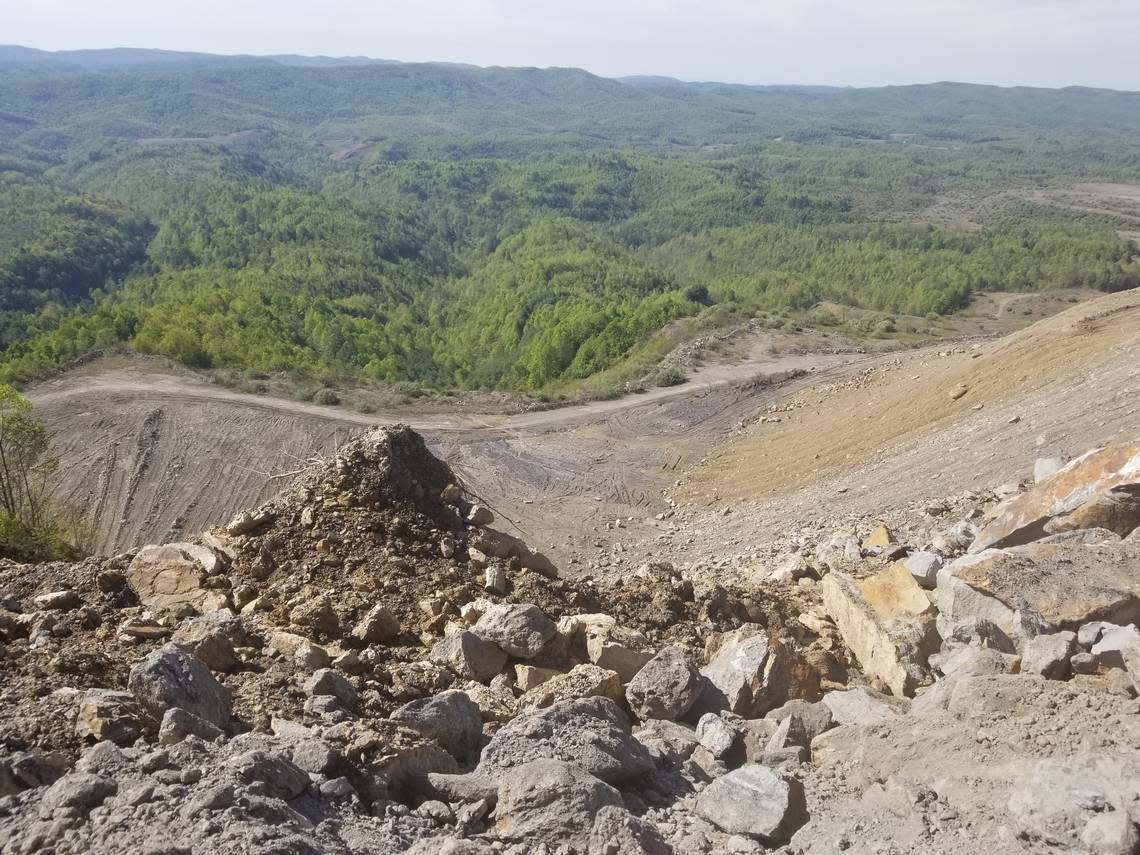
(520, 229)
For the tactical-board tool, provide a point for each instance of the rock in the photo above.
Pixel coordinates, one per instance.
(879, 538)
(619, 649)
(177, 724)
(809, 720)
(1048, 655)
(1083, 663)
(328, 682)
(106, 714)
(887, 622)
(451, 494)
(716, 735)
(618, 832)
(591, 732)
(1084, 803)
(978, 632)
(316, 614)
(924, 567)
(1100, 489)
(551, 802)
(972, 661)
(666, 687)
(58, 601)
(245, 522)
(169, 677)
(79, 791)
(1114, 641)
(839, 552)
(451, 718)
(480, 515)
(467, 654)
(1064, 584)
(1090, 633)
(211, 639)
(316, 757)
(672, 741)
(521, 630)
(378, 626)
(1043, 467)
(308, 655)
(495, 579)
(749, 675)
(528, 677)
(583, 681)
(756, 802)
(496, 705)
(281, 778)
(172, 578)
(863, 706)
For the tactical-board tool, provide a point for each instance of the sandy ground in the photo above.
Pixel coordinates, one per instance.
(739, 457)
(149, 455)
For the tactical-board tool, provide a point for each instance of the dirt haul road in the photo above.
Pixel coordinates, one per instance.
(150, 456)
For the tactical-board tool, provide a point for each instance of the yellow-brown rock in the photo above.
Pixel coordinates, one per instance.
(1100, 489)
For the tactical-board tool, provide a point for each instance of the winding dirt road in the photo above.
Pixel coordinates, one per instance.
(149, 455)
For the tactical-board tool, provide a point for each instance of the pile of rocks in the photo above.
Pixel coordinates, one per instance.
(362, 664)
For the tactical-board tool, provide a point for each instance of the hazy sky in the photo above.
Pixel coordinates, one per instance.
(861, 42)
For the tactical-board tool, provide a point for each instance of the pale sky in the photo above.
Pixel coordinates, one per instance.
(861, 42)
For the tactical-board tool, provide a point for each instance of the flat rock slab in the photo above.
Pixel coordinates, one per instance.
(1067, 584)
(1090, 492)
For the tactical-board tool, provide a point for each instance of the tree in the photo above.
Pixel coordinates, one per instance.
(28, 529)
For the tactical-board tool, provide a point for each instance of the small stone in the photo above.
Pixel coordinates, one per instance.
(716, 735)
(177, 724)
(469, 655)
(327, 682)
(58, 601)
(379, 625)
(480, 515)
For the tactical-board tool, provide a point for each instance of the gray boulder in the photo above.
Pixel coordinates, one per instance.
(592, 733)
(451, 718)
(754, 801)
(716, 735)
(618, 832)
(863, 706)
(169, 677)
(742, 677)
(521, 630)
(1114, 641)
(281, 777)
(924, 567)
(469, 655)
(112, 715)
(211, 638)
(666, 687)
(1048, 655)
(327, 682)
(809, 719)
(551, 802)
(80, 791)
(177, 724)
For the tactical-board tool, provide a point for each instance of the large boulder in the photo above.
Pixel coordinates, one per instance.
(468, 655)
(887, 621)
(618, 648)
(592, 733)
(861, 705)
(520, 629)
(212, 638)
(551, 802)
(752, 673)
(754, 801)
(173, 577)
(666, 687)
(170, 677)
(451, 718)
(1065, 584)
(1100, 489)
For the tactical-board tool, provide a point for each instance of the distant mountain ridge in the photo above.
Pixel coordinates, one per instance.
(148, 59)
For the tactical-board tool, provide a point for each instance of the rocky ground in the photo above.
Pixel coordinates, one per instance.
(365, 664)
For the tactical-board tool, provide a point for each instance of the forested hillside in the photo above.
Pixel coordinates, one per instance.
(514, 228)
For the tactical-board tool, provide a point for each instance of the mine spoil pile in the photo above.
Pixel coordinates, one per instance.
(365, 664)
